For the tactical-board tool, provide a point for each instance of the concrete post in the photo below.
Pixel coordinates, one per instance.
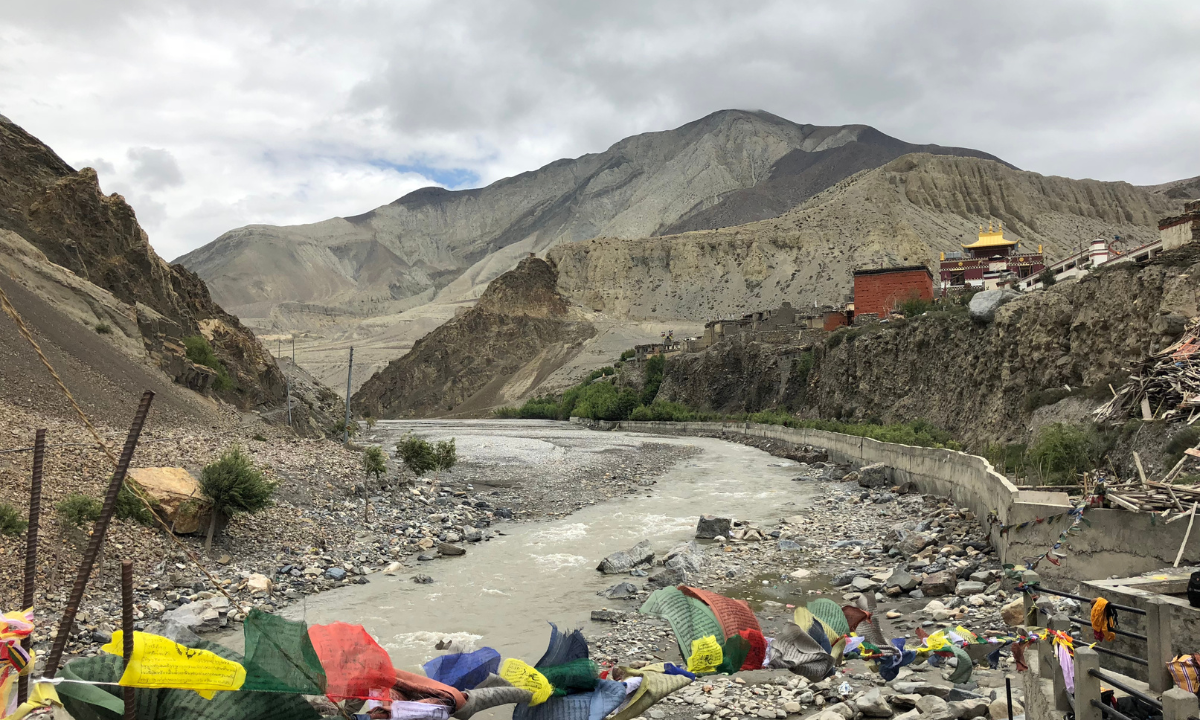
(1029, 577)
(1179, 704)
(1046, 660)
(1062, 702)
(1158, 644)
(1087, 688)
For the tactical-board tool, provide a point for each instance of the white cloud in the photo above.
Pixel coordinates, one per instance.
(212, 115)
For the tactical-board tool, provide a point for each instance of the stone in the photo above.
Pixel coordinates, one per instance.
(472, 535)
(259, 584)
(619, 591)
(934, 606)
(933, 705)
(874, 476)
(176, 492)
(905, 701)
(422, 579)
(657, 714)
(939, 583)
(983, 306)
(426, 557)
(1013, 613)
(968, 588)
(914, 542)
(450, 550)
(625, 560)
(800, 574)
(958, 694)
(828, 714)
(201, 615)
(862, 584)
(686, 557)
(902, 579)
(392, 568)
(910, 715)
(155, 606)
(606, 616)
(335, 573)
(425, 543)
(842, 710)
(998, 709)
(872, 704)
(710, 526)
(792, 707)
(790, 546)
(977, 600)
(970, 709)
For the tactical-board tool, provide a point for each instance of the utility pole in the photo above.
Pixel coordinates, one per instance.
(349, 374)
(289, 379)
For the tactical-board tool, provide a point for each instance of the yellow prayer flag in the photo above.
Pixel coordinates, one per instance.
(159, 662)
(706, 655)
(519, 674)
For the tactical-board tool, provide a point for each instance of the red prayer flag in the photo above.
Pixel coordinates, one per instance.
(354, 663)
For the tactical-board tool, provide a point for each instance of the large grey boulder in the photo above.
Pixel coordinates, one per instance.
(984, 305)
(711, 526)
(200, 616)
(625, 560)
(874, 476)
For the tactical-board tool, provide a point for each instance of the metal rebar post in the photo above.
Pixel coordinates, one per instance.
(1008, 695)
(127, 633)
(31, 545)
(99, 530)
(1158, 644)
(1087, 685)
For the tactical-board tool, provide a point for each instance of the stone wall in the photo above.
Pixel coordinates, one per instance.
(1115, 542)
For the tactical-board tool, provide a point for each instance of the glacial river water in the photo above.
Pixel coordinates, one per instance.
(502, 592)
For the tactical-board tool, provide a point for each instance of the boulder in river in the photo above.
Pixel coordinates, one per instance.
(450, 550)
(710, 526)
(625, 560)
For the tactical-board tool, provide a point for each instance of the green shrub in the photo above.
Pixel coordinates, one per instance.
(11, 520)
(78, 509)
(104, 328)
(914, 305)
(836, 337)
(1062, 451)
(1007, 458)
(628, 355)
(130, 507)
(234, 485)
(802, 366)
(1047, 278)
(374, 461)
(1041, 398)
(655, 367)
(339, 428)
(259, 437)
(1179, 442)
(416, 454)
(200, 352)
(602, 401)
(446, 454)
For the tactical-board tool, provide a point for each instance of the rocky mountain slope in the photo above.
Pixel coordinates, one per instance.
(904, 212)
(82, 265)
(519, 332)
(983, 382)
(725, 169)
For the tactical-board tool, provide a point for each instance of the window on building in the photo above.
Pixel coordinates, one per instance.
(1024, 271)
(958, 279)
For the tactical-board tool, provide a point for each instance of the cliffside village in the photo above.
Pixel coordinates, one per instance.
(991, 262)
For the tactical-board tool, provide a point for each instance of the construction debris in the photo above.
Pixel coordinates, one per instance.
(1165, 387)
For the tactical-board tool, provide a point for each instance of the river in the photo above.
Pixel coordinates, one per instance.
(503, 592)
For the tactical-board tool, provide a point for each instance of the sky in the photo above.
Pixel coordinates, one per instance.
(212, 115)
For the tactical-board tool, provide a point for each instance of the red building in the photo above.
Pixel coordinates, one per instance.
(878, 290)
(989, 262)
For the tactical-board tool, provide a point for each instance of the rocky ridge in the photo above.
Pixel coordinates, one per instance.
(903, 213)
(520, 331)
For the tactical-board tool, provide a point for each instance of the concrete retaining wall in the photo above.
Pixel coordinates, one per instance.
(1116, 542)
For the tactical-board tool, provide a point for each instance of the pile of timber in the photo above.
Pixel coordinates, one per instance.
(1174, 501)
(1165, 387)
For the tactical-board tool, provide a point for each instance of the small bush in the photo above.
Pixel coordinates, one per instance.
(417, 454)
(446, 454)
(837, 337)
(104, 328)
(914, 305)
(339, 428)
(1047, 278)
(374, 462)
(234, 485)
(130, 507)
(78, 509)
(655, 367)
(198, 350)
(1062, 451)
(259, 437)
(1041, 398)
(1008, 459)
(628, 355)
(11, 520)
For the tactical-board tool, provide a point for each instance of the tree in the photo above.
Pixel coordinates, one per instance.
(1047, 278)
(232, 484)
(445, 454)
(374, 463)
(416, 454)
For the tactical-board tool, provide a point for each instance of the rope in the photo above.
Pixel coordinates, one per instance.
(11, 311)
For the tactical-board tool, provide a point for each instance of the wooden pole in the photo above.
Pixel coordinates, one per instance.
(31, 544)
(127, 633)
(1186, 535)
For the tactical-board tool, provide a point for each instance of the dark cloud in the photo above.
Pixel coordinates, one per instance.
(285, 112)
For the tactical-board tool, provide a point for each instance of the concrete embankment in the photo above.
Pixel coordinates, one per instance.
(1110, 542)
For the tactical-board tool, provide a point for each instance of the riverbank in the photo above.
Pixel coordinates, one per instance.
(313, 539)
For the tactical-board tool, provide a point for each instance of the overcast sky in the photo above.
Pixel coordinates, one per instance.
(211, 115)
